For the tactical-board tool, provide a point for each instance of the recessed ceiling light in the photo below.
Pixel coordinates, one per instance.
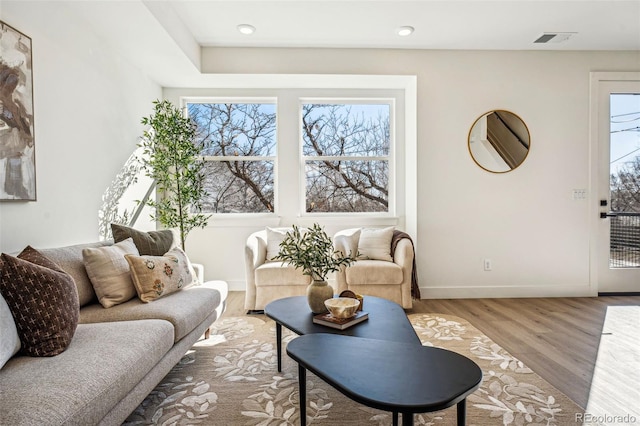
(246, 29)
(405, 31)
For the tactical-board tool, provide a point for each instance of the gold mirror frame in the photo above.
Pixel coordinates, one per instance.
(499, 141)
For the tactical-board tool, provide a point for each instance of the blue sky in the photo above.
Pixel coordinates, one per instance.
(625, 129)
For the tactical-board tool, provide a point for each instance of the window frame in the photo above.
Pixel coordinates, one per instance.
(289, 87)
(391, 157)
(270, 100)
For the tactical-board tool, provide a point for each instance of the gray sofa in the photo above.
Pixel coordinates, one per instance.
(116, 357)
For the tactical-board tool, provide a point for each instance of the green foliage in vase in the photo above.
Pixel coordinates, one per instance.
(313, 252)
(173, 160)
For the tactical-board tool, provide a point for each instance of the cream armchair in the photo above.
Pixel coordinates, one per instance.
(269, 280)
(387, 279)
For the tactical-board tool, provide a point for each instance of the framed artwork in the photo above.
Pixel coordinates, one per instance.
(17, 141)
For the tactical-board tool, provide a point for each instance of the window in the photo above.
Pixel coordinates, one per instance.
(291, 154)
(239, 146)
(346, 151)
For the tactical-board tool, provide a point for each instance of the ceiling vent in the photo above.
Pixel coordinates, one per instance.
(553, 37)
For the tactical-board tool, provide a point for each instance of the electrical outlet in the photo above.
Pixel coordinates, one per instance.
(487, 264)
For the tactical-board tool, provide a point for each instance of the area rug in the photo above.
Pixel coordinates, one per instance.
(231, 379)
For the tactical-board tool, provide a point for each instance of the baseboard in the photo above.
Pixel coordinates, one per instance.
(468, 292)
(240, 285)
(472, 292)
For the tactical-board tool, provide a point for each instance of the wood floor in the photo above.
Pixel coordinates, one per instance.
(558, 338)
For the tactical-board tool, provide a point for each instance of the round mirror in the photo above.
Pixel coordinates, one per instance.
(499, 141)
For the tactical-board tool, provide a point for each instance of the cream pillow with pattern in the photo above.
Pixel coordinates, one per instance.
(158, 276)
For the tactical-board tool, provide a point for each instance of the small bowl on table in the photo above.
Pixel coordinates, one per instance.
(342, 307)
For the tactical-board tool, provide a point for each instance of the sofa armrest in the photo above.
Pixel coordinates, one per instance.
(403, 255)
(199, 268)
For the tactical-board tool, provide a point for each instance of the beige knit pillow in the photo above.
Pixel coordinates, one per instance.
(109, 273)
(376, 243)
(157, 276)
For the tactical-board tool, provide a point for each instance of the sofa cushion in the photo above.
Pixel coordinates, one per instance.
(157, 276)
(279, 273)
(9, 339)
(80, 386)
(185, 309)
(43, 301)
(70, 260)
(374, 272)
(152, 243)
(109, 272)
(375, 244)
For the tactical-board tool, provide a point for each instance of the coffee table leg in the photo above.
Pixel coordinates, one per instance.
(279, 345)
(302, 386)
(394, 418)
(462, 412)
(407, 419)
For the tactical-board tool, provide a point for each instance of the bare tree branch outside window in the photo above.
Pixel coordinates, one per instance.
(625, 188)
(239, 143)
(346, 149)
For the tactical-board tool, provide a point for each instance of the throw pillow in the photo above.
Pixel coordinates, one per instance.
(157, 276)
(9, 339)
(352, 243)
(375, 243)
(152, 243)
(274, 238)
(109, 273)
(43, 300)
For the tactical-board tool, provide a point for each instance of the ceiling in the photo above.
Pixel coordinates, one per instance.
(450, 24)
(155, 33)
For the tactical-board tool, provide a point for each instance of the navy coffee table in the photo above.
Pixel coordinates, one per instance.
(390, 376)
(387, 321)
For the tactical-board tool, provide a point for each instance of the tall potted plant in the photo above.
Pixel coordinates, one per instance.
(173, 160)
(313, 252)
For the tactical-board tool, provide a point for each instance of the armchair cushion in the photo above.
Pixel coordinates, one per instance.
(367, 272)
(279, 273)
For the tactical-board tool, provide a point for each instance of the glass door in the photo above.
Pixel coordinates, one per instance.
(618, 240)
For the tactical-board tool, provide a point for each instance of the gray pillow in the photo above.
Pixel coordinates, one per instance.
(9, 339)
(152, 243)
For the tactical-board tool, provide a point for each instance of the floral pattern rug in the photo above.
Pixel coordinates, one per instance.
(231, 379)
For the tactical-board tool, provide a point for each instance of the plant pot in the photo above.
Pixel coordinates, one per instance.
(317, 293)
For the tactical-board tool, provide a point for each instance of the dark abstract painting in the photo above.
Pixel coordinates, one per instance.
(17, 142)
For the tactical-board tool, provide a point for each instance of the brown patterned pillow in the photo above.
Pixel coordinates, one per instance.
(43, 300)
(152, 243)
(157, 276)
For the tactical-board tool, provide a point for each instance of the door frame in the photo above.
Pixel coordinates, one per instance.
(596, 80)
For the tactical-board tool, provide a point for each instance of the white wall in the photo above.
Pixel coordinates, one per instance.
(88, 105)
(525, 221)
(89, 101)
